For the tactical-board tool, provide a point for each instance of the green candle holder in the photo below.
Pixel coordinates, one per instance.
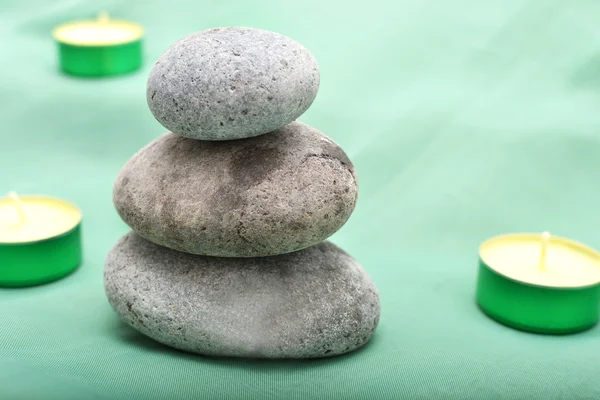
(30, 264)
(547, 306)
(101, 47)
(97, 61)
(40, 240)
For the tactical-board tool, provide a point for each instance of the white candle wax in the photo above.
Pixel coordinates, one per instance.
(543, 261)
(100, 32)
(32, 218)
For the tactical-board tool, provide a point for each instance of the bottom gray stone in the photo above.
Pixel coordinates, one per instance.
(316, 302)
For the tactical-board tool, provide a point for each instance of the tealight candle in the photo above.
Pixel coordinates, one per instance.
(40, 239)
(99, 47)
(539, 283)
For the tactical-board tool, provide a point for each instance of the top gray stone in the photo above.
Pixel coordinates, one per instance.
(231, 83)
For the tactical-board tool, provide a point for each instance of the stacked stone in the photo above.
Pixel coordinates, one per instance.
(231, 211)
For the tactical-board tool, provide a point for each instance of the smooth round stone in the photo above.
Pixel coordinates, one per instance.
(316, 302)
(267, 195)
(231, 83)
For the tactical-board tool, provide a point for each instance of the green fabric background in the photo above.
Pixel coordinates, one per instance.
(465, 119)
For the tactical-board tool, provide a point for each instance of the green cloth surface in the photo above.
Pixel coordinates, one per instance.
(464, 119)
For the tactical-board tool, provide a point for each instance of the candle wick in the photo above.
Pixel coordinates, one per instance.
(544, 250)
(18, 206)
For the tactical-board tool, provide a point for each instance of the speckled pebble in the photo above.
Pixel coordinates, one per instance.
(267, 195)
(316, 302)
(231, 83)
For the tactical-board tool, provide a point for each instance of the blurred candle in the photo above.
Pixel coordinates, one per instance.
(100, 47)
